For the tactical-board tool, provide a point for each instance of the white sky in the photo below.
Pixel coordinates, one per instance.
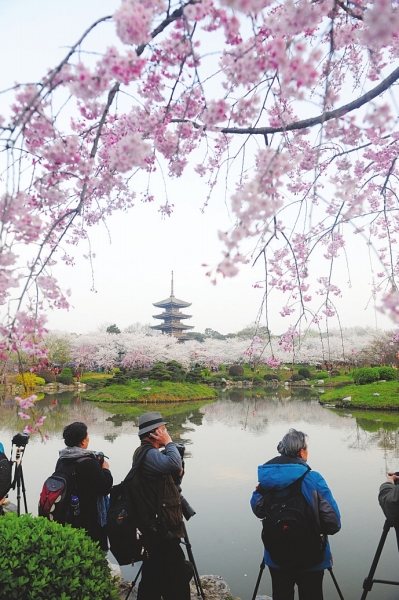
(136, 256)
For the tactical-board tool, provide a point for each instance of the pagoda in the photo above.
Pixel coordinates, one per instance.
(171, 316)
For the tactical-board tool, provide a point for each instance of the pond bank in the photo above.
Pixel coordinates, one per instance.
(380, 395)
(214, 586)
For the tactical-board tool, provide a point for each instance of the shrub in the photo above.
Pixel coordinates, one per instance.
(67, 372)
(321, 375)
(47, 375)
(388, 373)
(45, 560)
(138, 373)
(335, 373)
(176, 371)
(40, 381)
(366, 375)
(297, 377)
(159, 373)
(194, 376)
(118, 379)
(95, 383)
(304, 372)
(271, 376)
(27, 379)
(65, 377)
(236, 370)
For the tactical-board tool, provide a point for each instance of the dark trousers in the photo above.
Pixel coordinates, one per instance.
(164, 573)
(310, 584)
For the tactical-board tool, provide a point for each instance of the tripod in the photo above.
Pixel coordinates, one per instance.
(368, 582)
(18, 481)
(262, 568)
(200, 591)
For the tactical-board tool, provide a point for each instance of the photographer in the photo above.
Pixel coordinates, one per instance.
(156, 491)
(388, 498)
(94, 481)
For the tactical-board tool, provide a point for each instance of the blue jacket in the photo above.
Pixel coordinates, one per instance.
(279, 473)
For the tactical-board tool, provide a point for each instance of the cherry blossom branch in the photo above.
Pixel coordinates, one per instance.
(323, 118)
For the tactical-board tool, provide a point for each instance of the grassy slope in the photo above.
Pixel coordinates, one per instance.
(362, 396)
(153, 391)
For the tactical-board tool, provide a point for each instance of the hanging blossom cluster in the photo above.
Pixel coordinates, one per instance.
(29, 413)
(291, 110)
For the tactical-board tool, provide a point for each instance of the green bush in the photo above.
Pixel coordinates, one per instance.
(67, 372)
(366, 375)
(297, 377)
(304, 372)
(194, 376)
(118, 379)
(271, 376)
(388, 373)
(321, 375)
(236, 370)
(138, 373)
(43, 560)
(94, 382)
(65, 379)
(159, 373)
(40, 381)
(176, 371)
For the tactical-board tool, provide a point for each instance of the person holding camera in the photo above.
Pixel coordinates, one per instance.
(388, 498)
(93, 481)
(156, 492)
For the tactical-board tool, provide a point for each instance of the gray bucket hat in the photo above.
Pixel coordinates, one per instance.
(150, 421)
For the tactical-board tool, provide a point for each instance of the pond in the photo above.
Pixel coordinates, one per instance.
(225, 442)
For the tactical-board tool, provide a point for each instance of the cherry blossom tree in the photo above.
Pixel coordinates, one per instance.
(105, 350)
(290, 105)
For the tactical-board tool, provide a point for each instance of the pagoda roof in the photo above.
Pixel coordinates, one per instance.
(166, 326)
(170, 313)
(172, 301)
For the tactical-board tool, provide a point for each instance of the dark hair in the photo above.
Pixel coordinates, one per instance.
(74, 433)
(292, 443)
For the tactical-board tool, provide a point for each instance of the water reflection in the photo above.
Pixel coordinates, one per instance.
(227, 440)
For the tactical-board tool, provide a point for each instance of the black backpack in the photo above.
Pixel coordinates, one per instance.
(122, 520)
(290, 532)
(5, 475)
(57, 490)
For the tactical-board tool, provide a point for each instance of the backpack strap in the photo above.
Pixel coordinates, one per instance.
(138, 462)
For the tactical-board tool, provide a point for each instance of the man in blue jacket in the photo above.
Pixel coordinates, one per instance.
(274, 477)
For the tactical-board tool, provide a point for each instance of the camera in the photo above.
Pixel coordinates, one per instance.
(187, 509)
(20, 439)
(181, 449)
(100, 457)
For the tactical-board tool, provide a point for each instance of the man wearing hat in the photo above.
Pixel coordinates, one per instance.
(156, 484)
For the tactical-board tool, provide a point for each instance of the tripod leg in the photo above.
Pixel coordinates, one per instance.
(262, 568)
(368, 582)
(134, 581)
(336, 583)
(23, 489)
(200, 591)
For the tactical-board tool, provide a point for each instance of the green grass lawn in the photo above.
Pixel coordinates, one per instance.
(153, 391)
(362, 396)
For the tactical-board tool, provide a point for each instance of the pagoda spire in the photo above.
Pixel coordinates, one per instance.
(171, 288)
